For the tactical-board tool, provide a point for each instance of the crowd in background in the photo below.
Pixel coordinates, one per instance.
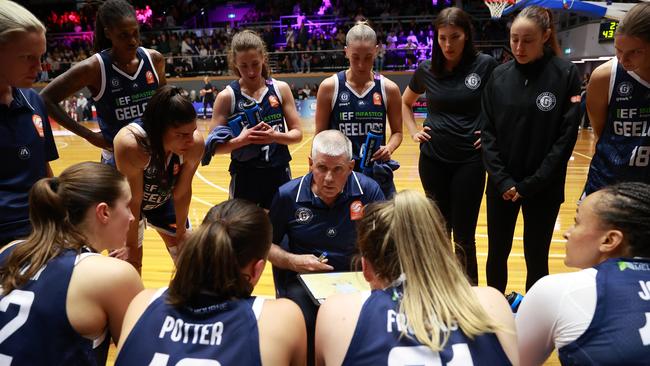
(308, 47)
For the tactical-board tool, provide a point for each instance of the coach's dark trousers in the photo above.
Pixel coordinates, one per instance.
(539, 214)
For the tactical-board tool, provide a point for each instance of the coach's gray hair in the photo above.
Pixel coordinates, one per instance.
(361, 32)
(332, 143)
(15, 18)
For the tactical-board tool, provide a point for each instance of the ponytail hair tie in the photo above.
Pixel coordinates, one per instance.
(54, 184)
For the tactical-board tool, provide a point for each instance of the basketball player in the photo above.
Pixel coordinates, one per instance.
(450, 165)
(121, 76)
(597, 316)
(531, 107)
(421, 310)
(159, 155)
(26, 141)
(358, 100)
(207, 315)
(260, 156)
(61, 300)
(618, 98)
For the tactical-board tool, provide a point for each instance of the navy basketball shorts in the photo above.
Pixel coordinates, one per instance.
(258, 185)
(163, 218)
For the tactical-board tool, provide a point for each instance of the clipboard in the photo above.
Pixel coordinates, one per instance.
(321, 285)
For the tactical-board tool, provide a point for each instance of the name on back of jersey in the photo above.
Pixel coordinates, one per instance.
(177, 330)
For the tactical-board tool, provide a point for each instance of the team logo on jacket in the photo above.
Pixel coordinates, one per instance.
(273, 101)
(304, 215)
(473, 81)
(150, 79)
(376, 98)
(331, 232)
(546, 101)
(38, 124)
(23, 153)
(625, 89)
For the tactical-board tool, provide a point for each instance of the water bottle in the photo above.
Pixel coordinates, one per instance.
(370, 147)
(514, 299)
(252, 113)
(236, 124)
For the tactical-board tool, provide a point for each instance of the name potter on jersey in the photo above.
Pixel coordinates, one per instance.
(177, 330)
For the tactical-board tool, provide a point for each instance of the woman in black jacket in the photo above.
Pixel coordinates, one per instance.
(531, 108)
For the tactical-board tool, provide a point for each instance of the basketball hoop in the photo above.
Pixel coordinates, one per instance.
(498, 6)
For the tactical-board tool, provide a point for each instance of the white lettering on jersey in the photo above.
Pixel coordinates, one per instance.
(179, 331)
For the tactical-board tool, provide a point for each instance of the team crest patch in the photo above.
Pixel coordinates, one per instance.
(150, 172)
(273, 101)
(345, 96)
(38, 124)
(356, 210)
(150, 79)
(115, 83)
(546, 101)
(331, 232)
(23, 153)
(625, 89)
(473, 81)
(376, 98)
(304, 215)
(240, 105)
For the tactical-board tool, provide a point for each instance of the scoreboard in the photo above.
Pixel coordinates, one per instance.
(607, 30)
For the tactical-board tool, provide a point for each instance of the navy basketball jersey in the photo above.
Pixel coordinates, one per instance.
(34, 325)
(218, 334)
(356, 114)
(157, 187)
(623, 150)
(260, 156)
(122, 97)
(619, 333)
(377, 340)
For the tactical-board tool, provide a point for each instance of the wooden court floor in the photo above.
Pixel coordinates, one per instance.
(210, 186)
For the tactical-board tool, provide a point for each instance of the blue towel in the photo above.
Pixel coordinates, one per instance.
(218, 135)
(382, 173)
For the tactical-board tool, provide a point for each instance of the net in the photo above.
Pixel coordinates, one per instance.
(498, 6)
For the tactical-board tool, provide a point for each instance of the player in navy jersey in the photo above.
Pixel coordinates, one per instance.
(159, 156)
(618, 103)
(207, 315)
(600, 315)
(62, 301)
(450, 165)
(358, 100)
(26, 141)
(121, 76)
(422, 309)
(260, 156)
(531, 111)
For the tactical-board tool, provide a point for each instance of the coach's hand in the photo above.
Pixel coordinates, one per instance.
(304, 263)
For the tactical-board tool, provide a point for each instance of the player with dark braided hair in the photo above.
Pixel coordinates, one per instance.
(608, 302)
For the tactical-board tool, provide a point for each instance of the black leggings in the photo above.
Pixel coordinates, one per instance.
(539, 214)
(458, 191)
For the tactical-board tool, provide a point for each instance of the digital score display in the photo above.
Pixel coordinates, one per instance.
(607, 30)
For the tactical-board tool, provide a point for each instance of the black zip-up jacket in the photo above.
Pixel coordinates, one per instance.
(531, 116)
